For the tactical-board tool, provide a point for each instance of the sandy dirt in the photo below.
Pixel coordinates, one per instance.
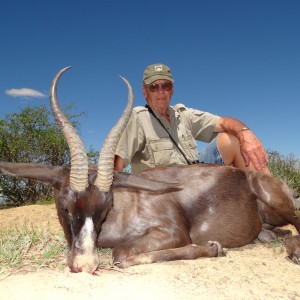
(255, 271)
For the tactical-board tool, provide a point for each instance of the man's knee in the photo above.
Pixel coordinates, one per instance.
(226, 140)
(229, 147)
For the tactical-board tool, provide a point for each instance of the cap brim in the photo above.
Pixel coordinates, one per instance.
(157, 77)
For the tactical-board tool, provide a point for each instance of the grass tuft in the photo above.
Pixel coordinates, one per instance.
(31, 249)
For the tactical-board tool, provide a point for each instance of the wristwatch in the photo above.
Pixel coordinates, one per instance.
(244, 129)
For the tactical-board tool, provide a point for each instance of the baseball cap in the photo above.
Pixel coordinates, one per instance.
(157, 71)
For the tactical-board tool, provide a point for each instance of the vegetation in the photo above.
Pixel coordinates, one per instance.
(286, 168)
(30, 136)
(31, 249)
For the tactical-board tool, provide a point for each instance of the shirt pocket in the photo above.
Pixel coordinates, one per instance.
(161, 152)
(190, 147)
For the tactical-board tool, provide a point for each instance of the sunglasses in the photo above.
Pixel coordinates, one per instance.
(154, 87)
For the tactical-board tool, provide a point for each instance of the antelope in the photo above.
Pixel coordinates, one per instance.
(161, 214)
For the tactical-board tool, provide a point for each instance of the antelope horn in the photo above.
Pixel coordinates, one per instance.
(107, 155)
(79, 159)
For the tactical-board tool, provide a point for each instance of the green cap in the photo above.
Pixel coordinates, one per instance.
(156, 72)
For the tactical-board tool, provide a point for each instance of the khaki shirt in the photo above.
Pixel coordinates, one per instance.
(145, 143)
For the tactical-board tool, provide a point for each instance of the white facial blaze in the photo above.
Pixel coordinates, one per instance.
(86, 235)
(88, 259)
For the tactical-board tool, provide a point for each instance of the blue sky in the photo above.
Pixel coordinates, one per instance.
(231, 58)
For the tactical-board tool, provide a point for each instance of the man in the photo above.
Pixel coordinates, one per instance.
(160, 134)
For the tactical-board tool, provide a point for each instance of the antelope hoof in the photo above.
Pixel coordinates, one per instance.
(220, 251)
(292, 245)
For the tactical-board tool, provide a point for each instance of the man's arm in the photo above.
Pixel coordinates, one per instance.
(252, 149)
(119, 163)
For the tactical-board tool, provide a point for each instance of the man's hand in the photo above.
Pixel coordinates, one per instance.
(252, 150)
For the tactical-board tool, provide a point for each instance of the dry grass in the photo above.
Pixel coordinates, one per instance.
(27, 249)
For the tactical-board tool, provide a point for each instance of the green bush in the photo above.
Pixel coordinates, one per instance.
(30, 136)
(286, 168)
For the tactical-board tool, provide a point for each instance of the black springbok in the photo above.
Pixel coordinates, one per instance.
(164, 214)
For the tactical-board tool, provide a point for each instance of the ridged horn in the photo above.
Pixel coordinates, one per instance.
(79, 159)
(106, 158)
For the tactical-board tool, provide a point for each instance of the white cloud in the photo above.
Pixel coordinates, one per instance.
(25, 92)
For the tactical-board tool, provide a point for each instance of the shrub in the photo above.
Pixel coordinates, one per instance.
(286, 168)
(30, 136)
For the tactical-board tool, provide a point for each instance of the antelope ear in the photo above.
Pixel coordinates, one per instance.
(123, 180)
(38, 172)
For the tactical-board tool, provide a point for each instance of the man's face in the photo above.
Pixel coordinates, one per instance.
(158, 94)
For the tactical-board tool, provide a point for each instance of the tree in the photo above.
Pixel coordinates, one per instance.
(93, 155)
(30, 136)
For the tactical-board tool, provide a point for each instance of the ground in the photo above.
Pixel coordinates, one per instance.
(255, 271)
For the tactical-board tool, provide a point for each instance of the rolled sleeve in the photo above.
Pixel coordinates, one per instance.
(201, 124)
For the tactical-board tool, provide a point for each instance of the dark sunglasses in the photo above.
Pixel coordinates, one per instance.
(154, 87)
